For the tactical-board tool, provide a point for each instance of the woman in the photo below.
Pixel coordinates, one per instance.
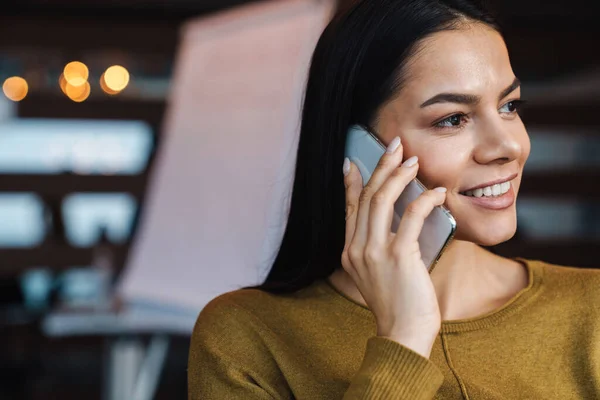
(348, 309)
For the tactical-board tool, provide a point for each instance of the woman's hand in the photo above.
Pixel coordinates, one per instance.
(387, 267)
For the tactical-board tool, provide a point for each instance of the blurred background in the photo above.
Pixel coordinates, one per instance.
(90, 89)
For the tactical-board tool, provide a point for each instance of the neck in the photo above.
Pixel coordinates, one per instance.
(468, 280)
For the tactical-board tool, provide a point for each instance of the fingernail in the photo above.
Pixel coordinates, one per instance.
(346, 167)
(410, 162)
(393, 145)
(440, 189)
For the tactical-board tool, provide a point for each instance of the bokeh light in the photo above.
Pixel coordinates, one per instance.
(116, 78)
(75, 93)
(62, 82)
(105, 88)
(15, 88)
(76, 73)
(78, 93)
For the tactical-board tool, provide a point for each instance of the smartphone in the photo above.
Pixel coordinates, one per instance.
(364, 150)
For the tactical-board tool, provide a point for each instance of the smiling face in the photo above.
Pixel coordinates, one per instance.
(456, 112)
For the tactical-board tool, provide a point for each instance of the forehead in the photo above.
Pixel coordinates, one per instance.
(473, 59)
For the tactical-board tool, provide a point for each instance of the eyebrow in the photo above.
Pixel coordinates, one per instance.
(469, 99)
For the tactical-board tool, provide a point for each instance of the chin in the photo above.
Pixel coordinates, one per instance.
(488, 234)
(495, 239)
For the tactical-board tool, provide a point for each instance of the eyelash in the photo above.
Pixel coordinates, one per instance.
(516, 103)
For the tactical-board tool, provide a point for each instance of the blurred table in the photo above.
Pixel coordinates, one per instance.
(133, 368)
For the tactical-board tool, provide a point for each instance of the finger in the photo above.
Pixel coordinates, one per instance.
(387, 163)
(353, 185)
(414, 216)
(381, 209)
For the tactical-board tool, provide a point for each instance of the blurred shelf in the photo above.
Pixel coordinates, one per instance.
(574, 184)
(55, 256)
(60, 185)
(539, 54)
(59, 106)
(577, 254)
(80, 30)
(132, 10)
(570, 115)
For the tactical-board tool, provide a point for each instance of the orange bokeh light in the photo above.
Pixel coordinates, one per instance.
(76, 73)
(15, 88)
(116, 78)
(78, 93)
(62, 82)
(105, 88)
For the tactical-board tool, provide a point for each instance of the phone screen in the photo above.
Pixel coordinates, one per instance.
(364, 150)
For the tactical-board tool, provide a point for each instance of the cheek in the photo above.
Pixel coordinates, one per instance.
(526, 145)
(441, 163)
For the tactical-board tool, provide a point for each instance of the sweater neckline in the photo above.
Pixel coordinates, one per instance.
(491, 318)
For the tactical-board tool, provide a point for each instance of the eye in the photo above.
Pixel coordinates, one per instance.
(512, 106)
(453, 121)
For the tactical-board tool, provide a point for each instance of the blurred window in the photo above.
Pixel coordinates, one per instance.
(8, 109)
(556, 219)
(553, 149)
(21, 220)
(87, 214)
(51, 146)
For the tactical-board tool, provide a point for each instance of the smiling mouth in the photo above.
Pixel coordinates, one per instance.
(495, 190)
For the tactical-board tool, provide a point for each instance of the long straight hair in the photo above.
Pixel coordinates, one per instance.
(357, 66)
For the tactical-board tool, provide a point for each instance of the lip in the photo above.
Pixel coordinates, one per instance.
(501, 180)
(494, 203)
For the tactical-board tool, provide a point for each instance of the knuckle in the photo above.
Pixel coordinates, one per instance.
(397, 253)
(432, 194)
(430, 198)
(355, 255)
(350, 209)
(366, 194)
(404, 248)
(398, 172)
(345, 259)
(347, 265)
(378, 199)
(385, 160)
(372, 255)
(404, 251)
(413, 210)
(347, 183)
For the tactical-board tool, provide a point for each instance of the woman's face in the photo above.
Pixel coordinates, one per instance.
(470, 135)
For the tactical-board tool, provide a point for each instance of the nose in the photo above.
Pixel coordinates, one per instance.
(499, 140)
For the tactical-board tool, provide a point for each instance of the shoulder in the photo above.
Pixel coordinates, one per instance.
(569, 275)
(253, 311)
(231, 312)
(570, 282)
(228, 331)
(246, 325)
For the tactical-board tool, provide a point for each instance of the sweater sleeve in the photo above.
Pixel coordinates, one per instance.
(391, 370)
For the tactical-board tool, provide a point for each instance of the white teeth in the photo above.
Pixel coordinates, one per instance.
(496, 190)
(490, 191)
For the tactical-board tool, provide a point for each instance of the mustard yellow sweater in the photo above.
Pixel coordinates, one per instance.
(319, 344)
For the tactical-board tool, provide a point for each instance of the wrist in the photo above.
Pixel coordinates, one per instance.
(421, 343)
